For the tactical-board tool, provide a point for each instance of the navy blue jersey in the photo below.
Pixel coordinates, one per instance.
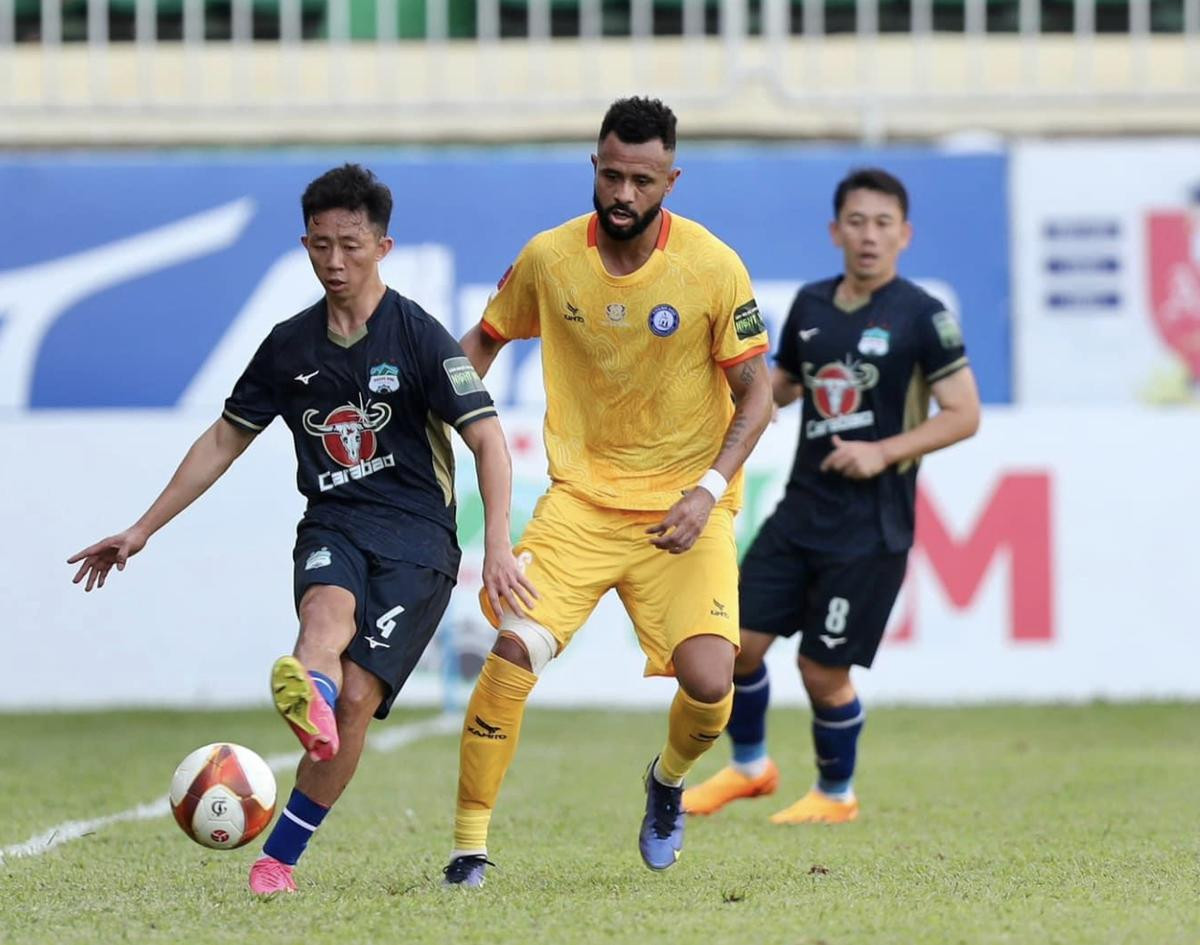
(866, 376)
(369, 416)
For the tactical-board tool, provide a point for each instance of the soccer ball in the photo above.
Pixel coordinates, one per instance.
(223, 795)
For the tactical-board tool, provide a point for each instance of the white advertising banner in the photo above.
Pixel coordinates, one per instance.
(1049, 565)
(1106, 270)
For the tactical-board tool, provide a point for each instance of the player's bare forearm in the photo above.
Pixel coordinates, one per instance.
(750, 382)
(503, 580)
(480, 348)
(957, 419)
(209, 457)
(493, 470)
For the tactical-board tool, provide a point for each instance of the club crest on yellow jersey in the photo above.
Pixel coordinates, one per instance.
(664, 320)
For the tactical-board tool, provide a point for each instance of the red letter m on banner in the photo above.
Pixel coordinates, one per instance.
(1016, 520)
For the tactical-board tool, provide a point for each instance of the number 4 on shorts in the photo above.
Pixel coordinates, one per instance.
(387, 623)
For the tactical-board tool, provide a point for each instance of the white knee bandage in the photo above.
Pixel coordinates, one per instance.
(539, 642)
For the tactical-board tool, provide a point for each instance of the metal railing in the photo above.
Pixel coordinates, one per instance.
(252, 70)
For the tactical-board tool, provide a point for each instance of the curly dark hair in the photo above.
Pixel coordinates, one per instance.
(349, 187)
(636, 120)
(870, 178)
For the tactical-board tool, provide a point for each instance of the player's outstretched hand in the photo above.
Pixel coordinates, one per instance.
(98, 559)
(683, 523)
(504, 580)
(855, 459)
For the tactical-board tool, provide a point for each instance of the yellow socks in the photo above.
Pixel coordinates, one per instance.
(489, 741)
(692, 729)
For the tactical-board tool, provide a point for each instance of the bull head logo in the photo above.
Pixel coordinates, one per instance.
(348, 432)
(837, 386)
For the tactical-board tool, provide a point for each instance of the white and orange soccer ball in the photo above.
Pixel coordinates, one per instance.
(223, 795)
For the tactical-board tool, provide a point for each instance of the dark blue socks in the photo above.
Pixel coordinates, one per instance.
(296, 825)
(835, 738)
(747, 726)
(325, 686)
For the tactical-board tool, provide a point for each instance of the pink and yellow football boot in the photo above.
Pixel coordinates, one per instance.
(304, 708)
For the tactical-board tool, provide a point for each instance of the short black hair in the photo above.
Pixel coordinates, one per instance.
(349, 187)
(870, 178)
(636, 120)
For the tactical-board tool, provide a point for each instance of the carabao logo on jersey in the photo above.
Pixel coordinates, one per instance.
(664, 320)
(837, 394)
(349, 435)
(385, 378)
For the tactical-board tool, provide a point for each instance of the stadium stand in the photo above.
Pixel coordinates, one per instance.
(242, 71)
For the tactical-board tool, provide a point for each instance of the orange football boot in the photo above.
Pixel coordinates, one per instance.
(727, 785)
(817, 807)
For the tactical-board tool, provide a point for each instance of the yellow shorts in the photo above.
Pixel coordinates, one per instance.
(574, 552)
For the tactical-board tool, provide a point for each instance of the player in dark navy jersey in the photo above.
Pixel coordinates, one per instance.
(369, 385)
(865, 350)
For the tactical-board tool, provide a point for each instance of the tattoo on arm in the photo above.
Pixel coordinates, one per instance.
(736, 432)
(748, 371)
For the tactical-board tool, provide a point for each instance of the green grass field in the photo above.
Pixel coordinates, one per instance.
(992, 825)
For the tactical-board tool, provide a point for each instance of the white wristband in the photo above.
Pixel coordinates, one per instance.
(714, 484)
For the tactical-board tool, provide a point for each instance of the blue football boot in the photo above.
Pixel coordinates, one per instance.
(466, 871)
(661, 837)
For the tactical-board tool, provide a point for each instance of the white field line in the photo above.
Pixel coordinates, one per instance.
(388, 740)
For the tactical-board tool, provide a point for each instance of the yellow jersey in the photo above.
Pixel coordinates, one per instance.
(637, 402)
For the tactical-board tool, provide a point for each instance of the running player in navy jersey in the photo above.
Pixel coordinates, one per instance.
(865, 350)
(368, 384)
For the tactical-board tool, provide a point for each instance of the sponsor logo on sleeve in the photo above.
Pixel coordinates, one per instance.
(747, 320)
(946, 326)
(462, 376)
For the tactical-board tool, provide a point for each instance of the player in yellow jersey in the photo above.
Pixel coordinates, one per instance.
(656, 391)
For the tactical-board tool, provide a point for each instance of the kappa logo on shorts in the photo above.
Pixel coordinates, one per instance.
(321, 558)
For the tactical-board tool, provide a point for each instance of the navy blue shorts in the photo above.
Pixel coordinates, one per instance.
(840, 604)
(398, 605)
